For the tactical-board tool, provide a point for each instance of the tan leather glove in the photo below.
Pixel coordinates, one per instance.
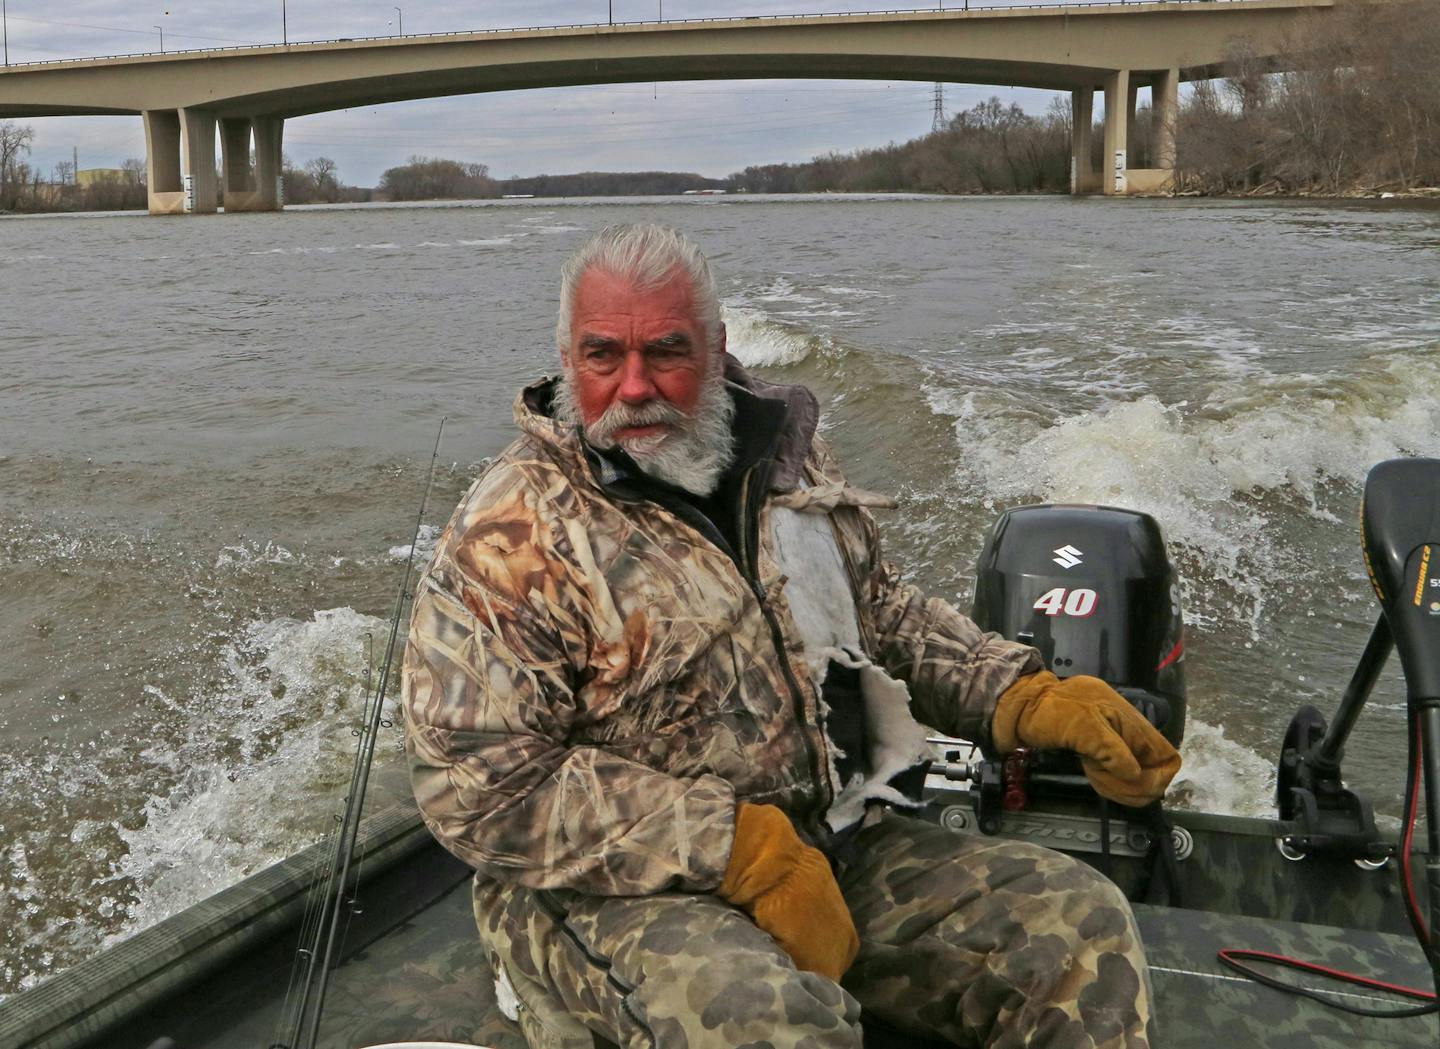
(1125, 757)
(787, 887)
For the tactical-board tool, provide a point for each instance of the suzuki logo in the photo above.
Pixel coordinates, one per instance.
(1069, 556)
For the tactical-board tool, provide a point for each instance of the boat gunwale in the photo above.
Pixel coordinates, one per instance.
(93, 996)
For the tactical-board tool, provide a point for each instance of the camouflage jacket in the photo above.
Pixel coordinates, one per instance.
(591, 681)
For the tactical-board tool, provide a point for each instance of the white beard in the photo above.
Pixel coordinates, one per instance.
(695, 453)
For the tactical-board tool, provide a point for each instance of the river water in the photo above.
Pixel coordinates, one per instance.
(214, 433)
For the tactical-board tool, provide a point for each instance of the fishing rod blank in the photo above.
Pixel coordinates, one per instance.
(320, 964)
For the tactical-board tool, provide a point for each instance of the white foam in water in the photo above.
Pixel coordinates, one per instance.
(296, 689)
(1141, 455)
(250, 553)
(424, 545)
(855, 293)
(1200, 469)
(758, 342)
(782, 290)
(1220, 775)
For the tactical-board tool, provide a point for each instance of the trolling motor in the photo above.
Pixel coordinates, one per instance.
(1400, 524)
(1400, 533)
(1091, 587)
(1400, 520)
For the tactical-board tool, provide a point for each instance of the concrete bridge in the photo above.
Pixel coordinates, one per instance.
(246, 93)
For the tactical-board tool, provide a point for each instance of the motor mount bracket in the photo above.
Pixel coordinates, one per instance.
(1328, 818)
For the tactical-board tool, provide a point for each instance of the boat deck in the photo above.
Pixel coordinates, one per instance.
(428, 978)
(216, 976)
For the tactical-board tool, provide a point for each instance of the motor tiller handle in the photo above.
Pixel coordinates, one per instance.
(1400, 526)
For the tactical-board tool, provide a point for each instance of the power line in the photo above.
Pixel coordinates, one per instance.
(122, 29)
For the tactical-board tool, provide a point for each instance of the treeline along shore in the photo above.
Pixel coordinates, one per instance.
(1362, 117)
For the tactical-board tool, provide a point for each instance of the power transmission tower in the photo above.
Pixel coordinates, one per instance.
(938, 123)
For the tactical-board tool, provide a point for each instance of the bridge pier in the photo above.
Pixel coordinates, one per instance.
(1083, 176)
(1165, 105)
(1113, 166)
(164, 188)
(1118, 176)
(252, 183)
(197, 161)
(1132, 134)
(1159, 177)
(180, 161)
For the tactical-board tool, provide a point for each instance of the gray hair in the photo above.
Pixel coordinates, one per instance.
(647, 255)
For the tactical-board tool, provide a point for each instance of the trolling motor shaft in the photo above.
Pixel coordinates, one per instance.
(1329, 817)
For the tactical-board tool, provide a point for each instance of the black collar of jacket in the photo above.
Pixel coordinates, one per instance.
(767, 415)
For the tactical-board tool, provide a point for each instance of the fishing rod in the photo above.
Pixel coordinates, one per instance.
(320, 954)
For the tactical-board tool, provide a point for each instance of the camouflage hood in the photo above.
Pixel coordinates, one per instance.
(594, 675)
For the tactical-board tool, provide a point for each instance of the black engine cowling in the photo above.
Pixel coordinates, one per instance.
(1092, 588)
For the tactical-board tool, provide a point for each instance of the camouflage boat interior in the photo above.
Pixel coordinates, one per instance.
(215, 976)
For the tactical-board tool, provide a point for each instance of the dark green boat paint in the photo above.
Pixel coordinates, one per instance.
(214, 976)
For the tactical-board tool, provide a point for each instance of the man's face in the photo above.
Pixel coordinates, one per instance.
(631, 347)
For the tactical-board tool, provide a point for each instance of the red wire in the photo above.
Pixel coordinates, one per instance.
(1407, 878)
(1230, 953)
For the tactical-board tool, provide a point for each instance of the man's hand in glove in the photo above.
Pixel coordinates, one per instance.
(787, 887)
(1125, 758)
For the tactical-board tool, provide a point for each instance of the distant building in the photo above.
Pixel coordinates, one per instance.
(92, 175)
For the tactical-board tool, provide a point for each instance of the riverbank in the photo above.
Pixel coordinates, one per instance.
(1275, 189)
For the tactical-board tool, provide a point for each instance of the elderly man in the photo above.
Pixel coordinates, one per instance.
(659, 691)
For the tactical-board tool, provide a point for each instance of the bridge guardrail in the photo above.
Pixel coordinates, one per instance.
(968, 8)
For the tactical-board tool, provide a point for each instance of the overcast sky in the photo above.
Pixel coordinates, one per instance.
(714, 128)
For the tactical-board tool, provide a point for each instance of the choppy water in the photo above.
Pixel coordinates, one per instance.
(214, 433)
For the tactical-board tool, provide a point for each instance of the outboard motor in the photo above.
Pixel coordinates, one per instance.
(1092, 589)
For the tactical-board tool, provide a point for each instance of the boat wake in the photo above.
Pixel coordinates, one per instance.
(283, 724)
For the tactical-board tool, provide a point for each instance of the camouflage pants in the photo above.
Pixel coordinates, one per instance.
(970, 940)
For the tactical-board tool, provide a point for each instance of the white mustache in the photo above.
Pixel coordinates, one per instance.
(619, 416)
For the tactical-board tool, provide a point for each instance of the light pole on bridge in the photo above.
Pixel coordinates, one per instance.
(161, 31)
(284, 25)
(400, 21)
(5, 29)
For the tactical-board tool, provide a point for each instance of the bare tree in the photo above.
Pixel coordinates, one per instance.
(433, 178)
(14, 143)
(327, 183)
(133, 171)
(1360, 109)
